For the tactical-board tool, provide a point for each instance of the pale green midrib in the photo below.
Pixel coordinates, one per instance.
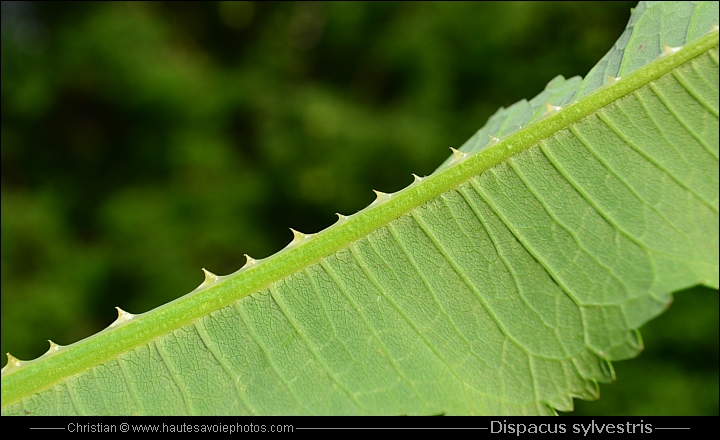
(109, 344)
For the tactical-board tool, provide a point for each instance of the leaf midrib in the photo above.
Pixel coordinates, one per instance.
(32, 376)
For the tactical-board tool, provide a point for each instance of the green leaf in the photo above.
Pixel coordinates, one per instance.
(504, 283)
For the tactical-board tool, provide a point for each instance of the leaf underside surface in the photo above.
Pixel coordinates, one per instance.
(504, 283)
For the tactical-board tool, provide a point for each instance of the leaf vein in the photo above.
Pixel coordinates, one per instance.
(129, 384)
(258, 341)
(311, 347)
(679, 76)
(652, 160)
(554, 277)
(681, 120)
(372, 330)
(73, 398)
(212, 348)
(174, 376)
(550, 212)
(414, 326)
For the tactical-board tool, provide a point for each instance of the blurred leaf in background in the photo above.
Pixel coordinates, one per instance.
(143, 141)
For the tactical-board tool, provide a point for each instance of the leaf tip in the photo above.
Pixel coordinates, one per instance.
(636, 340)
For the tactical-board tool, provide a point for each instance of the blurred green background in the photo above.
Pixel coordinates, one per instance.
(143, 141)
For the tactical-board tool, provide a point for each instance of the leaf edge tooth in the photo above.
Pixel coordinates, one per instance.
(341, 219)
(458, 156)
(550, 108)
(298, 239)
(249, 262)
(53, 348)
(380, 197)
(417, 179)
(668, 50)
(122, 318)
(13, 364)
